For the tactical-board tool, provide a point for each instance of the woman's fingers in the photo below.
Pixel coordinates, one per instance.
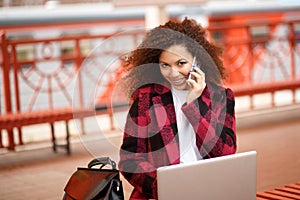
(198, 74)
(197, 84)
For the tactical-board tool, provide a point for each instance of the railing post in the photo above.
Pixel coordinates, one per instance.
(6, 87)
(292, 43)
(78, 63)
(16, 88)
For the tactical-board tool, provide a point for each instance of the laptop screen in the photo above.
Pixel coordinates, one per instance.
(231, 177)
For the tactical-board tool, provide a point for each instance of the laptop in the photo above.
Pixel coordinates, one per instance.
(231, 177)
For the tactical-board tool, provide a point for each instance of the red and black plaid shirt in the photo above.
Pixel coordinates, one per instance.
(150, 135)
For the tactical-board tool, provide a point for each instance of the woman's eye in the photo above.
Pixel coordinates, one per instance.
(181, 63)
(163, 65)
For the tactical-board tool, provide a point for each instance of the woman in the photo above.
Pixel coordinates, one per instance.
(180, 112)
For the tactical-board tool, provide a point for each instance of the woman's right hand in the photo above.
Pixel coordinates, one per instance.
(196, 83)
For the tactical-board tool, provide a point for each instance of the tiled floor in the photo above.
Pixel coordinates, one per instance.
(41, 174)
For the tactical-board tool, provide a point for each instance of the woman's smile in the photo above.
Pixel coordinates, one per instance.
(179, 81)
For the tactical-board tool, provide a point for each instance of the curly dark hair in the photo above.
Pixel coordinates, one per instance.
(142, 63)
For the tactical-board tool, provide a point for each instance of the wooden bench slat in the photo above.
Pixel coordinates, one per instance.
(272, 196)
(284, 194)
(289, 190)
(294, 186)
(38, 117)
(19, 119)
(263, 198)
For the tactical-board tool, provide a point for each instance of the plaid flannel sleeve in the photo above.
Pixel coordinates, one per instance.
(134, 156)
(212, 116)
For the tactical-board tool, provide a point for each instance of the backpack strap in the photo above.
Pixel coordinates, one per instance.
(102, 161)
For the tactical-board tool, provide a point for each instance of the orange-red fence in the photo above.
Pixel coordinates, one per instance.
(47, 79)
(262, 57)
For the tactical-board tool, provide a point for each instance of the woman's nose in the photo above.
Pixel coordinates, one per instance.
(174, 72)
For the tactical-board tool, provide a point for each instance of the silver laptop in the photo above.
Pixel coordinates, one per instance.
(231, 177)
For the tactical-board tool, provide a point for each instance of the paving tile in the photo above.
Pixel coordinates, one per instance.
(40, 174)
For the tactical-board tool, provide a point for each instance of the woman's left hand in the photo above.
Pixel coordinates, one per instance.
(196, 83)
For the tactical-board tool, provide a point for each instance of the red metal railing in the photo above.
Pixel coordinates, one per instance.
(55, 73)
(54, 76)
(263, 62)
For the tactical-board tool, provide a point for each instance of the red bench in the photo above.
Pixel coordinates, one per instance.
(18, 120)
(288, 192)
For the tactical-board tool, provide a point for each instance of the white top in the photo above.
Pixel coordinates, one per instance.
(187, 139)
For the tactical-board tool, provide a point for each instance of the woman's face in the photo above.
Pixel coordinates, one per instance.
(175, 64)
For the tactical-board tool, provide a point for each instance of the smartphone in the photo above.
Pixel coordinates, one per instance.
(193, 66)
